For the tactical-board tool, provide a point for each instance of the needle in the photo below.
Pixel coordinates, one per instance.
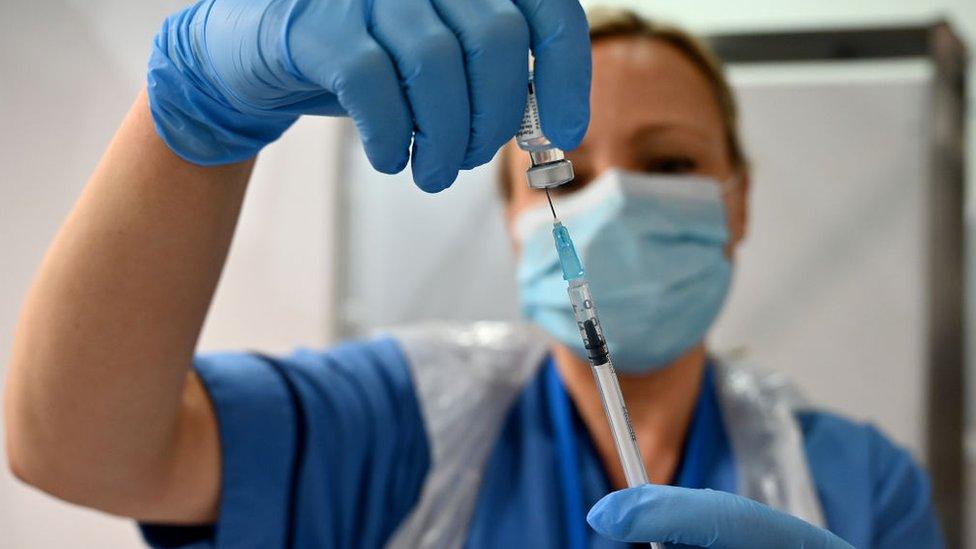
(549, 198)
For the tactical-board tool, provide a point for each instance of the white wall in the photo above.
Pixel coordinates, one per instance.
(722, 15)
(707, 16)
(69, 74)
(70, 71)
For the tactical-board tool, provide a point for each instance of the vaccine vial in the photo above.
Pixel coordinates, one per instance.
(549, 166)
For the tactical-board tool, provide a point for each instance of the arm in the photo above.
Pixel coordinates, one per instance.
(100, 410)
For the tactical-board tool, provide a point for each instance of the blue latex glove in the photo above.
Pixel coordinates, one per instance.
(703, 518)
(227, 77)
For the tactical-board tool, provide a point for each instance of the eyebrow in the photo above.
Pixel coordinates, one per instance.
(651, 130)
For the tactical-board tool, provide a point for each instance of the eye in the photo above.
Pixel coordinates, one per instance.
(671, 164)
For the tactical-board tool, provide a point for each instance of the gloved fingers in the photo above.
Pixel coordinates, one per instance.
(702, 518)
(367, 88)
(495, 39)
(561, 46)
(428, 58)
(360, 74)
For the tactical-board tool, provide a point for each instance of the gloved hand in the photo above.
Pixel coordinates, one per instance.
(703, 518)
(227, 77)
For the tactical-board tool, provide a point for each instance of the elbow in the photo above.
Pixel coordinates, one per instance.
(21, 439)
(35, 451)
(17, 464)
(22, 460)
(55, 457)
(44, 466)
(42, 470)
(14, 463)
(32, 456)
(36, 470)
(12, 446)
(68, 476)
(62, 444)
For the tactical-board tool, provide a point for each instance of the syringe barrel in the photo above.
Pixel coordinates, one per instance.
(621, 429)
(588, 322)
(623, 432)
(614, 407)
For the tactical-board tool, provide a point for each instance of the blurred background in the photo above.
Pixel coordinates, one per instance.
(852, 281)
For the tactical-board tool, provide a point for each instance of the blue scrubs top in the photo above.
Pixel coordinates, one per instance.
(328, 449)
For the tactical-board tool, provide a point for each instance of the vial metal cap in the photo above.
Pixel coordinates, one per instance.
(550, 174)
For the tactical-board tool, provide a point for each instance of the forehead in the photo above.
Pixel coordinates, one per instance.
(639, 81)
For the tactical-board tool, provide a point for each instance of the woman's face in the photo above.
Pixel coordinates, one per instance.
(652, 111)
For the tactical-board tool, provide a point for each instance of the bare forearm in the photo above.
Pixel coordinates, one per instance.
(107, 332)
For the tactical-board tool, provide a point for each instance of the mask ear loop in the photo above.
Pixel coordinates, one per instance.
(728, 186)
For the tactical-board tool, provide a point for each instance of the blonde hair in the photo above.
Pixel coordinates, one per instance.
(616, 23)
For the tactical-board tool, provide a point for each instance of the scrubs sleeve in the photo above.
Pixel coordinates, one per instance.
(903, 512)
(318, 449)
(872, 492)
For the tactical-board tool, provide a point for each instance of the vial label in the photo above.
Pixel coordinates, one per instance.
(530, 128)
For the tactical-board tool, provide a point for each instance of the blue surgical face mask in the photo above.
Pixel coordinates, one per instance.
(653, 247)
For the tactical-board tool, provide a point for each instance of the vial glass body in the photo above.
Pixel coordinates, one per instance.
(530, 137)
(549, 166)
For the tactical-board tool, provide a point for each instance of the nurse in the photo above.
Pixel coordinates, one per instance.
(483, 435)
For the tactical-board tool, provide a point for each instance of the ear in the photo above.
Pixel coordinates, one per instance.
(738, 209)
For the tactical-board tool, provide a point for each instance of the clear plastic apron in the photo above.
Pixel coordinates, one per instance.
(467, 377)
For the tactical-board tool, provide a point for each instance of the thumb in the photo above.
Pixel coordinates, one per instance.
(702, 518)
(561, 46)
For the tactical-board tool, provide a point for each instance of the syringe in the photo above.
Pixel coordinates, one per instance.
(550, 169)
(588, 321)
